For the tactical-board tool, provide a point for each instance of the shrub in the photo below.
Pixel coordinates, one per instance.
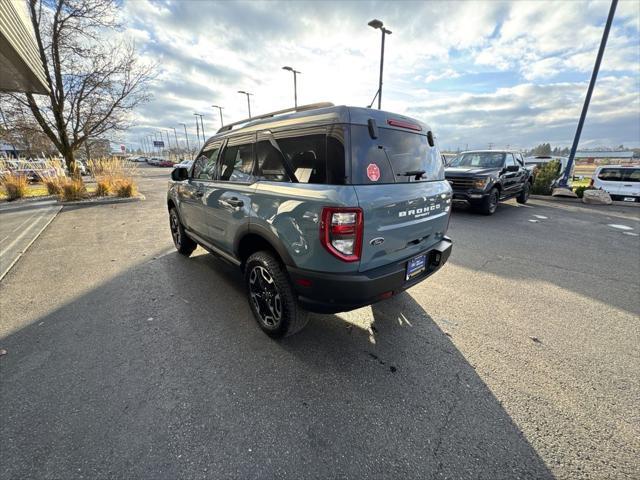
(103, 188)
(54, 185)
(73, 189)
(545, 176)
(579, 191)
(14, 185)
(125, 187)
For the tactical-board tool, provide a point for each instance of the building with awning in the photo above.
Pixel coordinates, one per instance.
(21, 68)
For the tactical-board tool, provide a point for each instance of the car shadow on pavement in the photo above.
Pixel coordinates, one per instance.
(161, 372)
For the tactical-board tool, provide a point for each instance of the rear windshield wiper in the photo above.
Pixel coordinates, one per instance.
(413, 173)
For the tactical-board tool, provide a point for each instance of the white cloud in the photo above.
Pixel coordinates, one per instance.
(208, 51)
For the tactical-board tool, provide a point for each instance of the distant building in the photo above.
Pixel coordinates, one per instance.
(21, 68)
(605, 155)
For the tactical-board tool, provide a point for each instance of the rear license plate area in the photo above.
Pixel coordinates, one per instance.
(416, 266)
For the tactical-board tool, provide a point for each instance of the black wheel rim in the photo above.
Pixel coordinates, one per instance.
(175, 229)
(493, 201)
(265, 297)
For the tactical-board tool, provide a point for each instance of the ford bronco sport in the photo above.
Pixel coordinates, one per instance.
(482, 178)
(325, 208)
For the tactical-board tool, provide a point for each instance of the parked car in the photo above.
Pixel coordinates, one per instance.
(184, 164)
(324, 208)
(482, 178)
(166, 163)
(620, 182)
(155, 161)
(536, 161)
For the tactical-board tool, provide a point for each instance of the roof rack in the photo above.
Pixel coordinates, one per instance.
(301, 108)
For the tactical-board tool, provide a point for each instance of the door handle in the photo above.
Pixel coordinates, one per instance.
(235, 202)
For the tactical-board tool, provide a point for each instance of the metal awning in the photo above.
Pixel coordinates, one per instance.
(21, 69)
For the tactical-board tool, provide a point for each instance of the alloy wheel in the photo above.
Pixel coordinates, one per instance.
(265, 297)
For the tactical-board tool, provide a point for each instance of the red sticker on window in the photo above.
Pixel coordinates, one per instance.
(373, 172)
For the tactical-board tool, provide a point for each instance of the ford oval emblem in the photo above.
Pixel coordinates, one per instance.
(377, 241)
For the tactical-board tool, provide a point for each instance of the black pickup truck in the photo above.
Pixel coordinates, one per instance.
(482, 178)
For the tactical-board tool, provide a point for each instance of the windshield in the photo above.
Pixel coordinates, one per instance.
(479, 160)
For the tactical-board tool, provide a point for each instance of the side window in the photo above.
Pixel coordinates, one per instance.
(336, 161)
(204, 168)
(236, 164)
(519, 159)
(269, 165)
(306, 153)
(510, 160)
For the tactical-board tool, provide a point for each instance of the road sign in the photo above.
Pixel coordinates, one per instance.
(123, 148)
(158, 143)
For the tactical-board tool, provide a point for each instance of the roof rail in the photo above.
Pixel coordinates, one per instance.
(301, 108)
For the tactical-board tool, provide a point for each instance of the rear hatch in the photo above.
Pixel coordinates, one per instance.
(399, 181)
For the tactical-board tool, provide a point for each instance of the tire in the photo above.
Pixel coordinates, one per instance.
(271, 296)
(523, 196)
(182, 242)
(490, 202)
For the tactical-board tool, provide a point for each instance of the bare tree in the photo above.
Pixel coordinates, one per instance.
(94, 81)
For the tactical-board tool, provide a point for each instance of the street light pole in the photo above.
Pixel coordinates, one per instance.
(176, 137)
(295, 85)
(378, 24)
(564, 181)
(220, 110)
(186, 137)
(248, 102)
(197, 129)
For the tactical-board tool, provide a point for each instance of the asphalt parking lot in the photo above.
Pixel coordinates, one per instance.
(519, 359)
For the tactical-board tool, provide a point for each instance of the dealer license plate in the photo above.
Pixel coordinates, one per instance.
(416, 266)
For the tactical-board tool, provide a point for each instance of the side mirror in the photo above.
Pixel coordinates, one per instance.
(512, 168)
(179, 174)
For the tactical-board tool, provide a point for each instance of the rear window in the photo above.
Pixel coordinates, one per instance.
(394, 157)
(620, 174)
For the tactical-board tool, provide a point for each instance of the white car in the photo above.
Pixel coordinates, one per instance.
(620, 181)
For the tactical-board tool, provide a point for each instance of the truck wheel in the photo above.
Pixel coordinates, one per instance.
(490, 202)
(183, 243)
(271, 296)
(524, 194)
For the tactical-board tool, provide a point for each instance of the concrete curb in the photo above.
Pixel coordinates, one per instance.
(102, 201)
(25, 249)
(616, 203)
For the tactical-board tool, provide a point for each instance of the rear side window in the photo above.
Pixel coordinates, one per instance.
(306, 153)
(395, 156)
(620, 174)
(269, 164)
(237, 163)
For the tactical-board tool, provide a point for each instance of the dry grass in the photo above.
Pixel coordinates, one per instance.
(14, 185)
(114, 175)
(125, 188)
(54, 185)
(73, 189)
(103, 188)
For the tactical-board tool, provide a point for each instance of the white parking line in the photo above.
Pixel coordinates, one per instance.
(619, 227)
(18, 227)
(24, 232)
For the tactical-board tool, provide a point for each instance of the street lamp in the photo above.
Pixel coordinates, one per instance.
(220, 110)
(203, 137)
(295, 85)
(248, 102)
(378, 24)
(186, 137)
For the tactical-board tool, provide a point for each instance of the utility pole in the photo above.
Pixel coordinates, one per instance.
(176, 136)
(564, 180)
(378, 24)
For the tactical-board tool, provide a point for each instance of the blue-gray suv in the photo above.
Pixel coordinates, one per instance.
(324, 208)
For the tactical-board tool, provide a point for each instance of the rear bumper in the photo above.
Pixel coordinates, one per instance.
(339, 292)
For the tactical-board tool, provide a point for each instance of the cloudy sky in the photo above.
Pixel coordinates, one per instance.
(479, 72)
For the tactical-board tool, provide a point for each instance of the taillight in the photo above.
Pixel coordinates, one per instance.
(341, 232)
